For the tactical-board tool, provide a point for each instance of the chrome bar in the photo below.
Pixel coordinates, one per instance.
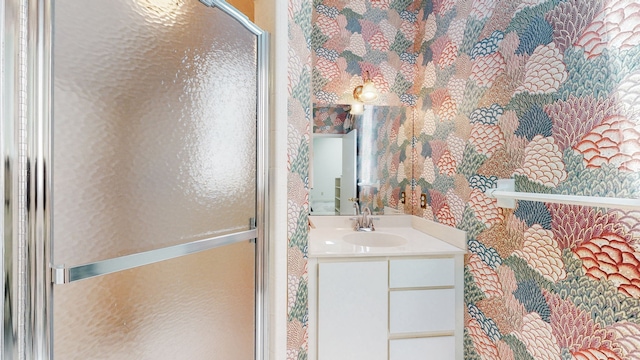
(10, 75)
(20, 210)
(233, 12)
(506, 198)
(3, 172)
(39, 310)
(104, 267)
(262, 245)
(15, 62)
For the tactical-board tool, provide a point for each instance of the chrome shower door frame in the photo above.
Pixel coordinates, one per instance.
(26, 149)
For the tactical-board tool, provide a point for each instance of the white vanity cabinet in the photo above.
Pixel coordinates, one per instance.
(386, 308)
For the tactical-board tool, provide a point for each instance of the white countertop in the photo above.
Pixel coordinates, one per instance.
(423, 237)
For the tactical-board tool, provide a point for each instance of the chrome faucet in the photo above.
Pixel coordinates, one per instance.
(363, 219)
(363, 222)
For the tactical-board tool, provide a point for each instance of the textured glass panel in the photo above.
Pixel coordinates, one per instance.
(195, 307)
(154, 126)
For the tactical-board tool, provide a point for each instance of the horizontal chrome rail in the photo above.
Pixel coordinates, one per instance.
(506, 197)
(62, 275)
(236, 14)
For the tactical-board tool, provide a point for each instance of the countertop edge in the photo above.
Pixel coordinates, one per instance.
(430, 254)
(444, 233)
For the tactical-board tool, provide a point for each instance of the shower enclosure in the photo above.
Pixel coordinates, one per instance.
(134, 151)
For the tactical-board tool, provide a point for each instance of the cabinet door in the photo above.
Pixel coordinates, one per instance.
(352, 310)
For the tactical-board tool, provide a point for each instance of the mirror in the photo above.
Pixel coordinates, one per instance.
(365, 157)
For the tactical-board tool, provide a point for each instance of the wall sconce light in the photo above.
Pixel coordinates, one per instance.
(366, 92)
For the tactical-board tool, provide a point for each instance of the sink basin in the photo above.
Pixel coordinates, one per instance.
(374, 239)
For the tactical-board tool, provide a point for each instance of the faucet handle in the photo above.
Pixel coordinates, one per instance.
(356, 207)
(357, 224)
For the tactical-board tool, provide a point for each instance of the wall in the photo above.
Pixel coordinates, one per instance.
(383, 38)
(298, 136)
(350, 37)
(245, 6)
(331, 119)
(389, 154)
(286, 336)
(546, 92)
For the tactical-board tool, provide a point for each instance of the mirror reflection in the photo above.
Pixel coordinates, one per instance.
(364, 159)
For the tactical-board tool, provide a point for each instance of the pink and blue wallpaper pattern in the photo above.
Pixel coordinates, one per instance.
(546, 92)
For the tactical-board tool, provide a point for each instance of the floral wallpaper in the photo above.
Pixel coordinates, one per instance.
(545, 92)
(392, 151)
(331, 119)
(353, 38)
(384, 39)
(298, 133)
(384, 151)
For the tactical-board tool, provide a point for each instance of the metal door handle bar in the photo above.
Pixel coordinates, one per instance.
(65, 275)
(506, 197)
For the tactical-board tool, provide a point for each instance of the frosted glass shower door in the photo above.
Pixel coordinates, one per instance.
(156, 180)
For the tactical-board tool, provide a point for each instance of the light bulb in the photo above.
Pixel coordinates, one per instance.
(369, 92)
(357, 108)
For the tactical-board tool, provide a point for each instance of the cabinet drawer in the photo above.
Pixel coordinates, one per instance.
(418, 311)
(441, 348)
(421, 273)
